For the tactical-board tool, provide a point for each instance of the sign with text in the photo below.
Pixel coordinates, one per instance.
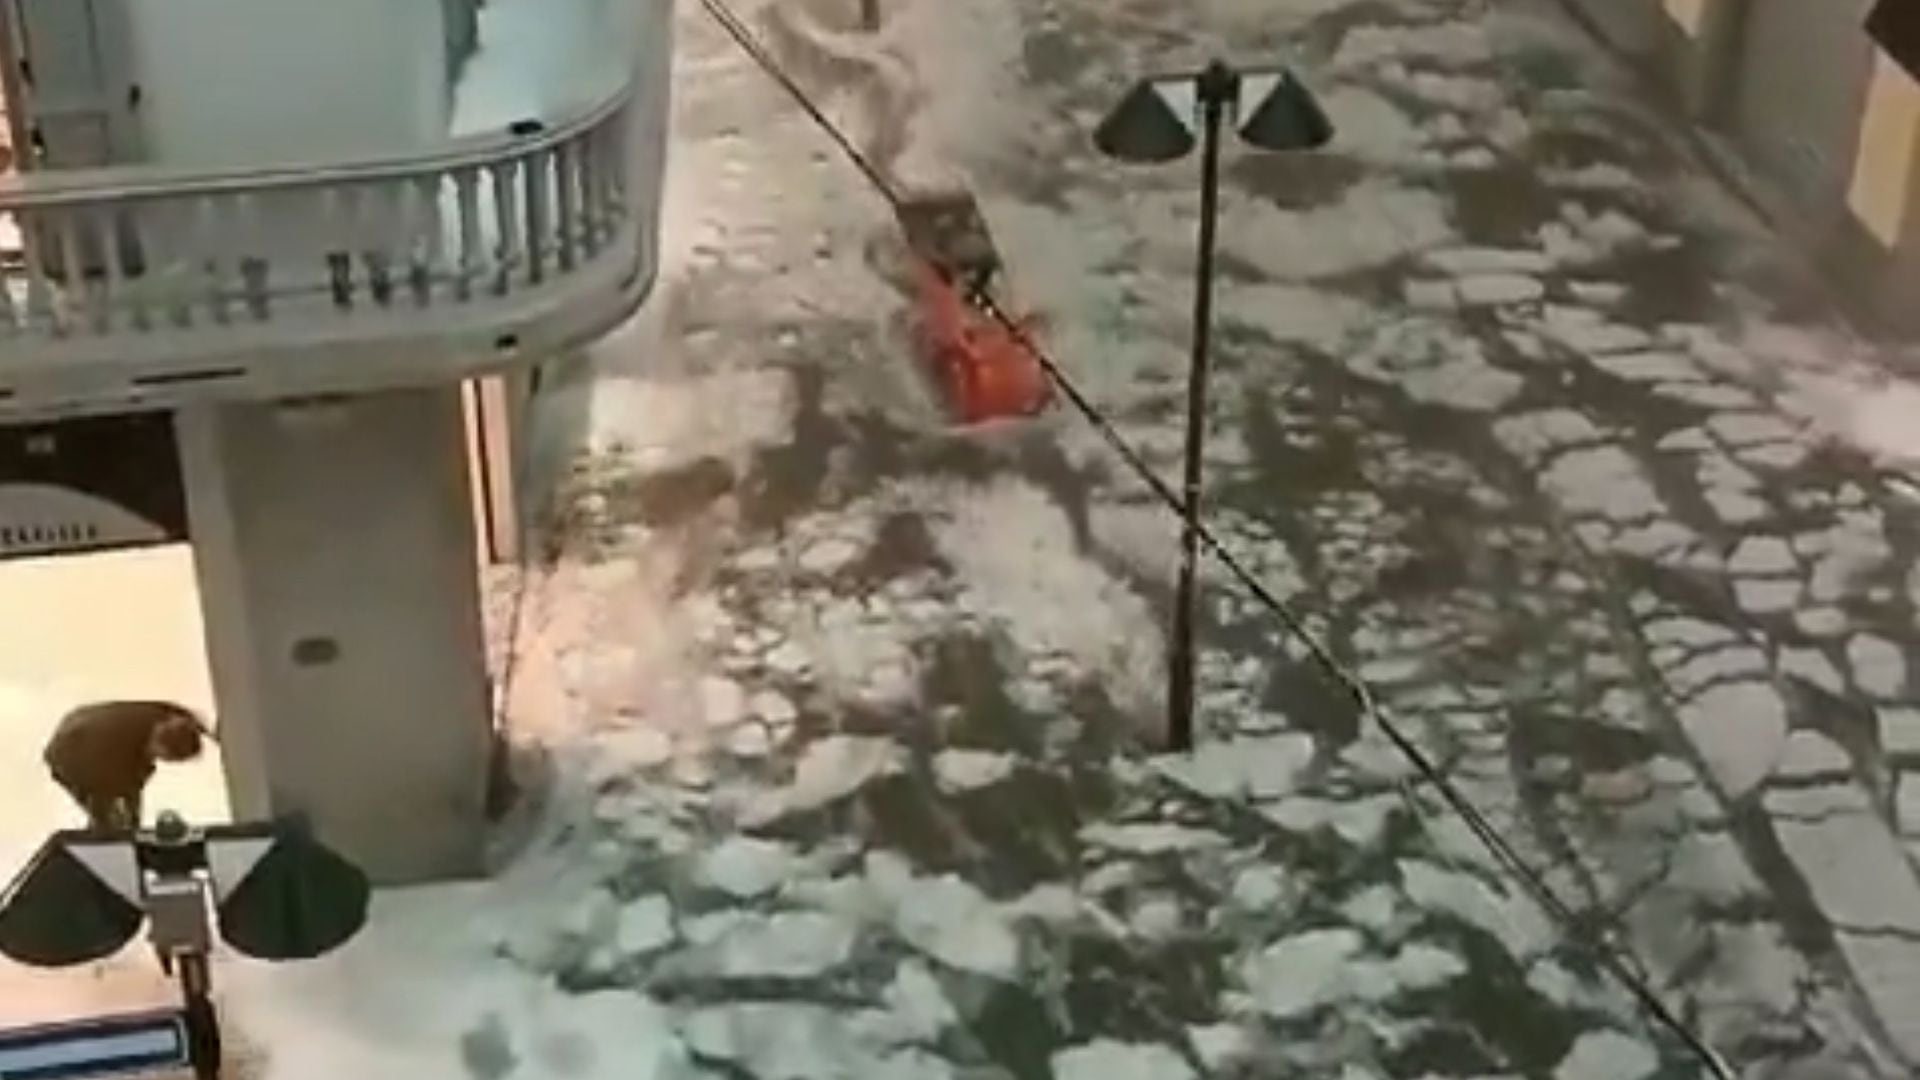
(90, 484)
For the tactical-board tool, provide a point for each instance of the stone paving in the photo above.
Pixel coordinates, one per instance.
(1499, 405)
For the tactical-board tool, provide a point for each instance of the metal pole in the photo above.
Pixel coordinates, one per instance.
(204, 1050)
(1214, 90)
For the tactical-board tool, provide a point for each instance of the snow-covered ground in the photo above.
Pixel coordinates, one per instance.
(848, 711)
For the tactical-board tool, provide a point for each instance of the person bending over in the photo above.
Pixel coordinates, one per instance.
(104, 753)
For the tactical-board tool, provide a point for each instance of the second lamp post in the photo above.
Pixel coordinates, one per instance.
(1272, 111)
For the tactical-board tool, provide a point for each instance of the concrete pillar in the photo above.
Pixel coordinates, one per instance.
(334, 546)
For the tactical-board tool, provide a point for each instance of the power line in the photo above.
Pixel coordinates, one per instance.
(1609, 956)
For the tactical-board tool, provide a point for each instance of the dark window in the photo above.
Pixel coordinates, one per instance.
(1895, 25)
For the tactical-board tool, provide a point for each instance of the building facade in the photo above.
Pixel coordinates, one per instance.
(314, 261)
(1822, 99)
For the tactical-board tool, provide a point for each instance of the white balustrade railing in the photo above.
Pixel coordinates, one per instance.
(131, 256)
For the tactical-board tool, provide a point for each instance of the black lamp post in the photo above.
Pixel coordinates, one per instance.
(1147, 127)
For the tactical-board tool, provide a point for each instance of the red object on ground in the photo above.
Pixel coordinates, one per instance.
(987, 371)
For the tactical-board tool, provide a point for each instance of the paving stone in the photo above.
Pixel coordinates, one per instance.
(1607, 1055)
(1749, 429)
(1530, 435)
(1601, 293)
(1469, 261)
(644, 926)
(1719, 665)
(1780, 455)
(1220, 1046)
(1887, 969)
(1906, 805)
(1623, 786)
(1740, 730)
(1707, 397)
(751, 739)
(1813, 666)
(1687, 632)
(1431, 295)
(1758, 555)
(1736, 507)
(1766, 597)
(828, 556)
(1109, 1059)
(1589, 333)
(1809, 754)
(1606, 482)
(1712, 866)
(1811, 545)
(1754, 968)
(1691, 440)
(773, 708)
(1648, 367)
(1899, 729)
(1489, 290)
(1818, 803)
(1856, 869)
(1831, 579)
(1820, 622)
(1879, 666)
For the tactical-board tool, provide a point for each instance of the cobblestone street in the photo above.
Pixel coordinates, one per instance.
(1551, 440)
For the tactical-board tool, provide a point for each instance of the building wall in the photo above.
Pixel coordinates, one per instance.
(262, 82)
(1634, 26)
(1797, 92)
(1806, 98)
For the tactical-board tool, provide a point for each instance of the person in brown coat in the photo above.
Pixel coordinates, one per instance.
(103, 754)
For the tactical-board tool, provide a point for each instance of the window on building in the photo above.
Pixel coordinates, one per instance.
(1895, 26)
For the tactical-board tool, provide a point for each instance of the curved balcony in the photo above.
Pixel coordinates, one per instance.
(147, 286)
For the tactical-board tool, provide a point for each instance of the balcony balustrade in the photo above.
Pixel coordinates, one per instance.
(146, 286)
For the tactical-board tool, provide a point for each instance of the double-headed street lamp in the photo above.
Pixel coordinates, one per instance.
(278, 894)
(1272, 111)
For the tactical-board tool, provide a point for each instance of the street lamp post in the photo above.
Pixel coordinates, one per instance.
(1146, 127)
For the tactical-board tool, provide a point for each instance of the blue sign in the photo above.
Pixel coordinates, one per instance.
(112, 1046)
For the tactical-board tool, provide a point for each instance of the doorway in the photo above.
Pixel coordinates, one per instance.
(102, 624)
(97, 583)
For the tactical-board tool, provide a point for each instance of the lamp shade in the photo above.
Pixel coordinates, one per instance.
(61, 913)
(1286, 117)
(1143, 128)
(300, 900)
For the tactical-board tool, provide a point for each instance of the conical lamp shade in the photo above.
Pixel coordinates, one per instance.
(58, 913)
(1142, 128)
(301, 900)
(1288, 118)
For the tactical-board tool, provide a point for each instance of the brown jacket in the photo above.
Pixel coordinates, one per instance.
(105, 750)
